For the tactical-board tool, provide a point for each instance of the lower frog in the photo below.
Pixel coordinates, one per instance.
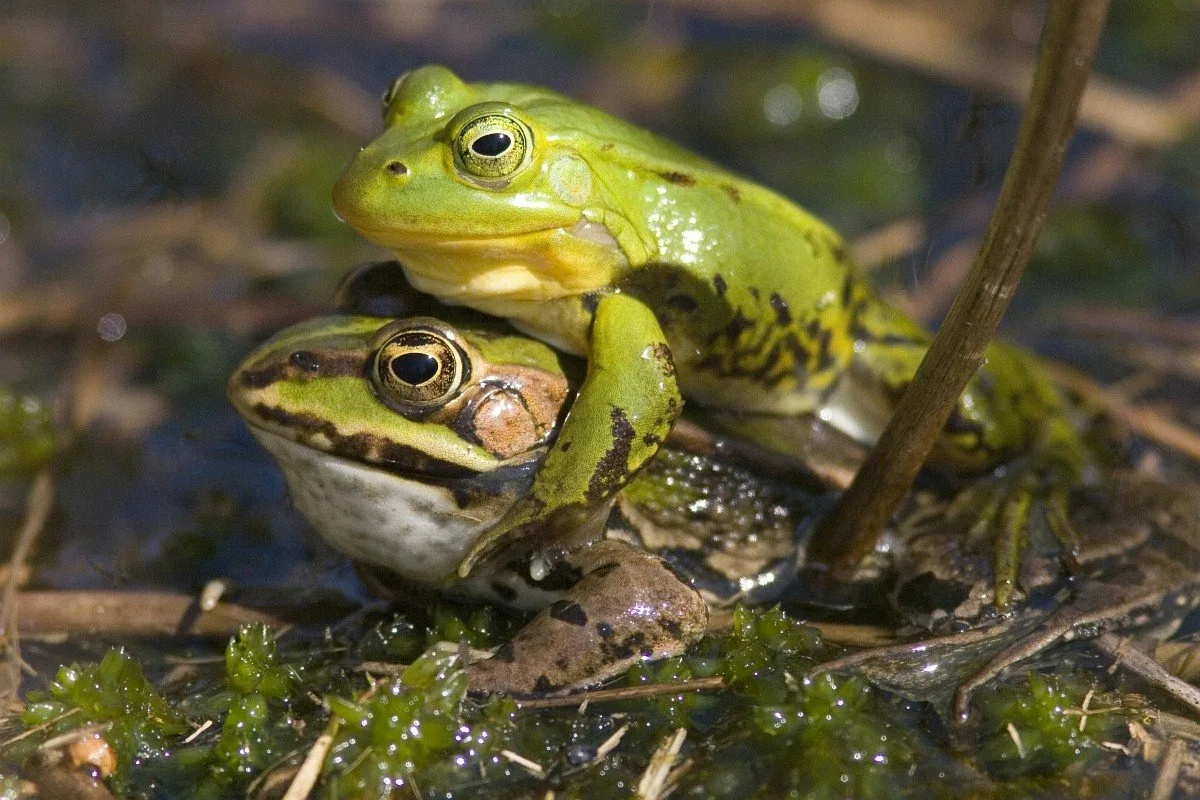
(403, 440)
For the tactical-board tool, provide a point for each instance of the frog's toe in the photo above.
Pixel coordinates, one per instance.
(1001, 514)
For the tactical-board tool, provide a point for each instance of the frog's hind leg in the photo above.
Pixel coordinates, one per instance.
(627, 606)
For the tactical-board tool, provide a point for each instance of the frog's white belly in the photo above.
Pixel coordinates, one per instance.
(417, 530)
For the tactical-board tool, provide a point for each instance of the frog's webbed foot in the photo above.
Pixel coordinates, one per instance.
(1000, 513)
(627, 606)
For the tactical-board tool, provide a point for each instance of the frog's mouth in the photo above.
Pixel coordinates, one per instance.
(370, 450)
(541, 264)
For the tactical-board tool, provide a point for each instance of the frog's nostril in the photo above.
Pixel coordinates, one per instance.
(396, 168)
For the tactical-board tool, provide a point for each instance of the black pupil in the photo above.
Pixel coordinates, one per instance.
(492, 144)
(414, 368)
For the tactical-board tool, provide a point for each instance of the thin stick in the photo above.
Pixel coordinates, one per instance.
(624, 693)
(1168, 770)
(306, 777)
(1146, 667)
(1139, 419)
(154, 614)
(37, 509)
(1068, 43)
(653, 784)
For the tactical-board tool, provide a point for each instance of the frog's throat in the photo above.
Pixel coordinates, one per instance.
(537, 265)
(419, 530)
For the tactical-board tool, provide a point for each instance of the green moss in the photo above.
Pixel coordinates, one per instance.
(766, 652)
(1036, 713)
(250, 739)
(847, 746)
(400, 728)
(114, 691)
(26, 434)
(403, 637)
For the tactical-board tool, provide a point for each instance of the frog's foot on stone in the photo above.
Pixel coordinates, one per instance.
(627, 606)
(1000, 513)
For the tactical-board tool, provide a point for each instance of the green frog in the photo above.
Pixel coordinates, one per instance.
(674, 278)
(404, 440)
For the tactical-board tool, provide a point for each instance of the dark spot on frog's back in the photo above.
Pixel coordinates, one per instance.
(506, 653)
(782, 312)
(568, 611)
(631, 645)
(672, 628)
(678, 178)
(684, 304)
(734, 193)
(720, 285)
(847, 291)
(661, 353)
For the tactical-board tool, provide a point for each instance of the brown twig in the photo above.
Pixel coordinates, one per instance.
(1146, 667)
(1068, 43)
(310, 770)
(1168, 770)
(624, 693)
(37, 510)
(152, 614)
(653, 784)
(1139, 419)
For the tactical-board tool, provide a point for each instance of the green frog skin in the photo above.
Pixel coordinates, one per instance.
(404, 441)
(673, 278)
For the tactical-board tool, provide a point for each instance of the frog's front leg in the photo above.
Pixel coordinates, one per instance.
(628, 606)
(623, 411)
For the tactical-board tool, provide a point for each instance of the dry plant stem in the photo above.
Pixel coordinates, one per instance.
(624, 693)
(152, 614)
(310, 771)
(653, 784)
(38, 504)
(1139, 419)
(37, 508)
(1168, 770)
(1146, 667)
(1069, 40)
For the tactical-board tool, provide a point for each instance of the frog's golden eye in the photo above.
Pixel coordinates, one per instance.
(418, 369)
(493, 146)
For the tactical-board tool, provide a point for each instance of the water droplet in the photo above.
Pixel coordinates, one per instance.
(837, 93)
(782, 104)
(111, 327)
